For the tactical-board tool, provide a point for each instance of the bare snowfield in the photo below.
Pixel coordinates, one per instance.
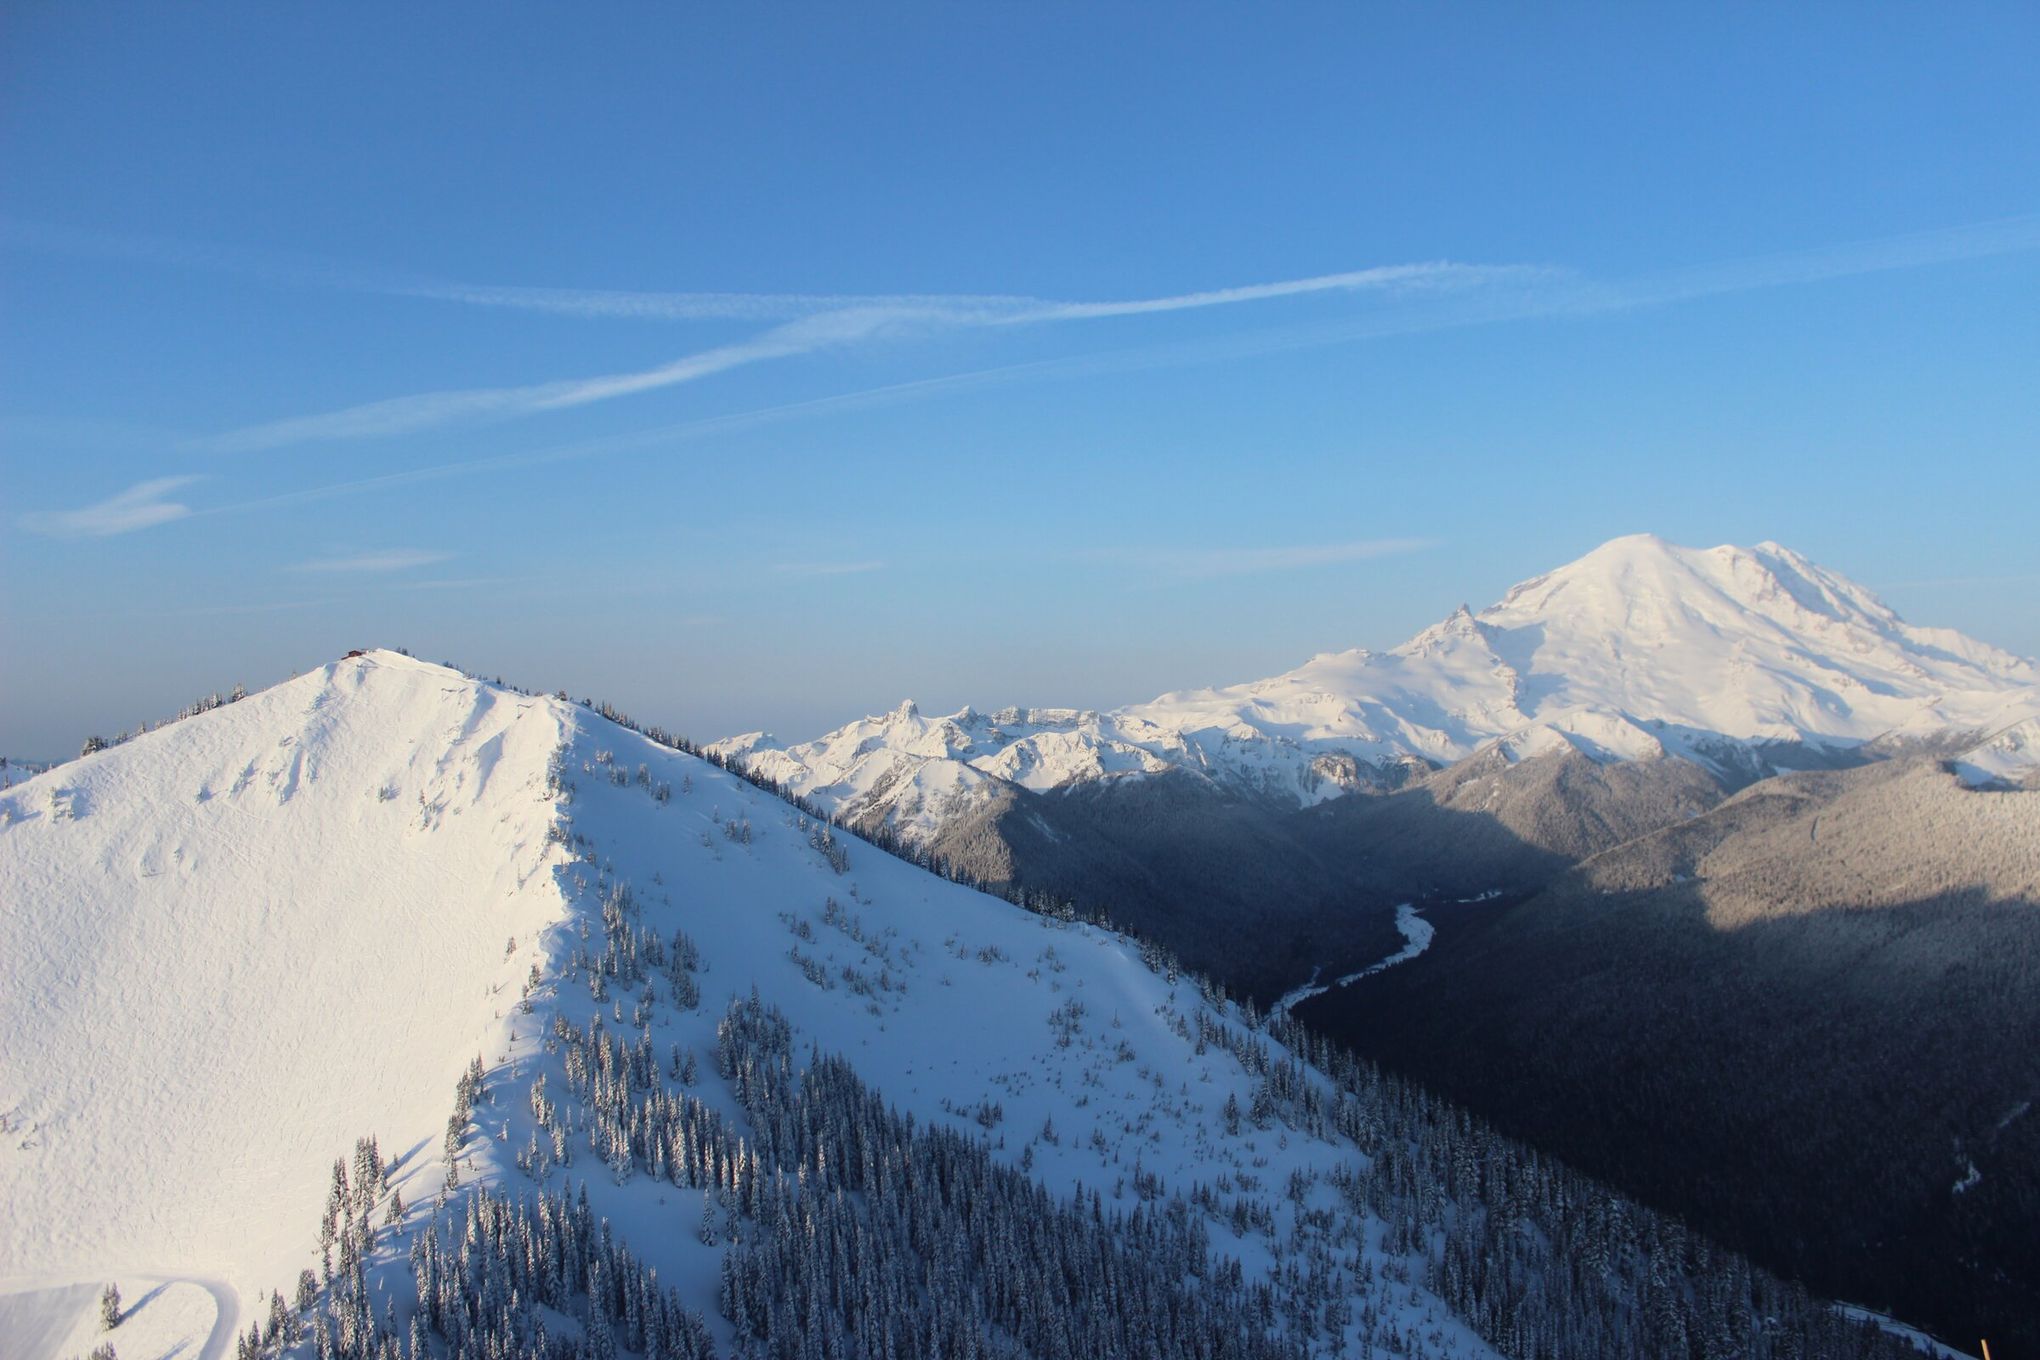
(231, 946)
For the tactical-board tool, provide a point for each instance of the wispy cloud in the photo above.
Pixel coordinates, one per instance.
(294, 269)
(1204, 563)
(369, 563)
(141, 506)
(403, 415)
(1404, 277)
(1849, 259)
(1485, 293)
(625, 304)
(952, 308)
(847, 322)
(1456, 296)
(826, 568)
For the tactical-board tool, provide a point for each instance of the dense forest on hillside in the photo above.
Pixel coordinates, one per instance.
(1804, 1021)
(853, 1233)
(1259, 896)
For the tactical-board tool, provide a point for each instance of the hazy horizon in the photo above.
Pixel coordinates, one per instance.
(676, 706)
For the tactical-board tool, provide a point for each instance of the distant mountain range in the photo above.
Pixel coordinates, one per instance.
(1744, 661)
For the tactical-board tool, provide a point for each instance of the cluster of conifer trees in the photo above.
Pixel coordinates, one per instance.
(204, 704)
(876, 1236)
(1544, 1262)
(855, 1232)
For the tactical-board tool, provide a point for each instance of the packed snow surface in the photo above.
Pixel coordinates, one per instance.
(231, 947)
(1738, 658)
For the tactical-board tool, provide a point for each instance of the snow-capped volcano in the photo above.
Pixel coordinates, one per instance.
(1742, 659)
(1640, 648)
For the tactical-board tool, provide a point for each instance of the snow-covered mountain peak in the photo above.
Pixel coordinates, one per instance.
(265, 917)
(1750, 644)
(1743, 659)
(232, 946)
(1456, 630)
(1651, 591)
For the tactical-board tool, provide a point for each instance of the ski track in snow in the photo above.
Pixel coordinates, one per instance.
(51, 1317)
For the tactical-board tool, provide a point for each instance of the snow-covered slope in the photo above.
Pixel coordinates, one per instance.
(231, 947)
(2008, 754)
(1743, 659)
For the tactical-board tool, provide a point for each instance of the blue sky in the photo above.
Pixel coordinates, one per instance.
(763, 366)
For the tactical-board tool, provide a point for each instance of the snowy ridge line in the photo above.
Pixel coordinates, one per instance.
(608, 977)
(238, 898)
(880, 836)
(204, 704)
(1744, 661)
(757, 1027)
(1417, 932)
